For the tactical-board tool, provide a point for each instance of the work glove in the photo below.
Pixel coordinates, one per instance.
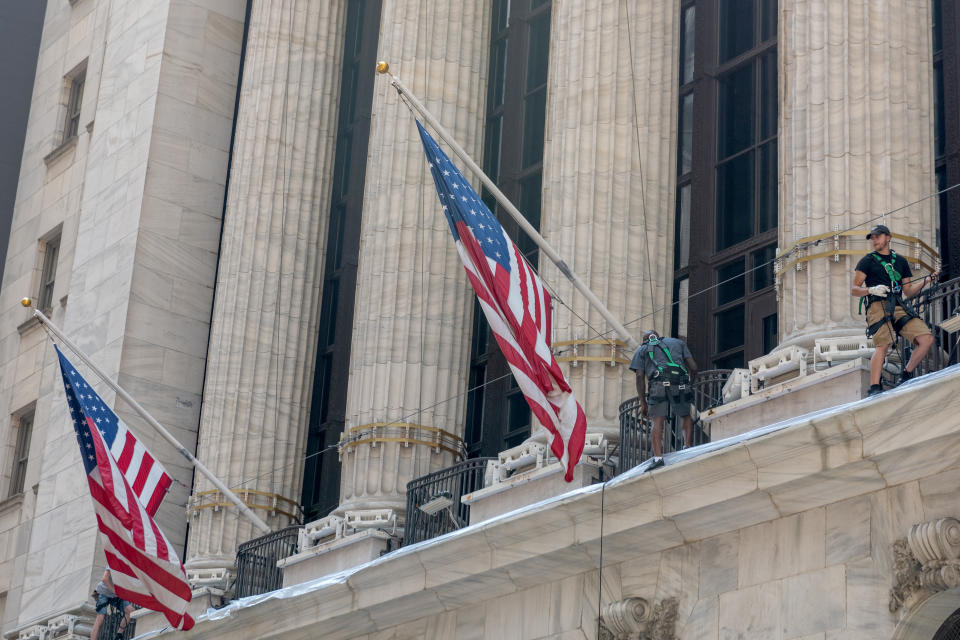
(879, 290)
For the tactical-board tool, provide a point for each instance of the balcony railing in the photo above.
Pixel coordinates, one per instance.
(441, 486)
(257, 570)
(635, 431)
(111, 625)
(935, 305)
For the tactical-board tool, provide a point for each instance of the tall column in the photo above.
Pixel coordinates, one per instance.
(409, 356)
(856, 139)
(609, 182)
(263, 337)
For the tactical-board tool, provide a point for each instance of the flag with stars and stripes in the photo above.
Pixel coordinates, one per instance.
(143, 564)
(515, 303)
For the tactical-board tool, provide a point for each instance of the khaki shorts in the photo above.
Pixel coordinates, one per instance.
(884, 335)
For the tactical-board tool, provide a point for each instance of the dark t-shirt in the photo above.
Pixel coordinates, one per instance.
(877, 274)
(678, 350)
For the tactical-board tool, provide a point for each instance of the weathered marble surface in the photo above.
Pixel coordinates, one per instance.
(696, 531)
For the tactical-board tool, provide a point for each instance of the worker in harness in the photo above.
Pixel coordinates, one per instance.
(884, 281)
(670, 367)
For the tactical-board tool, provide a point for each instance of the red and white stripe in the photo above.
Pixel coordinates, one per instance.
(143, 564)
(147, 477)
(517, 308)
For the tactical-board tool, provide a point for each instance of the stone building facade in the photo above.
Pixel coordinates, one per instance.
(226, 210)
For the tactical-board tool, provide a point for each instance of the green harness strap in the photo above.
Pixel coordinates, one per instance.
(892, 273)
(666, 352)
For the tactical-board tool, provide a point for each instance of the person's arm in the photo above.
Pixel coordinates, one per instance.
(642, 391)
(858, 290)
(691, 367)
(912, 287)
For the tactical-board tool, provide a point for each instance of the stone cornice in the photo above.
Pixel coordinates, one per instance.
(814, 460)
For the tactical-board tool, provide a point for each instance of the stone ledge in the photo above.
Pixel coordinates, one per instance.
(707, 494)
(13, 502)
(62, 149)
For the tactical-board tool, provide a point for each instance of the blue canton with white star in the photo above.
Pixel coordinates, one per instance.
(462, 204)
(84, 401)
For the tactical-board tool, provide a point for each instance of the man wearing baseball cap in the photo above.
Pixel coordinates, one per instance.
(884, 280)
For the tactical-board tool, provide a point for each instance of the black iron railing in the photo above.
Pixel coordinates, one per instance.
(257, 570)
(636, 444)
(935, 305)
(111, 624)
(441, 490)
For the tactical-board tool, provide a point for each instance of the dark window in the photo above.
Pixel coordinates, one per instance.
(682, 238)
(735, 201)
(685, 134)
(321, 483)
(534, 112)
(686, 44)
(21, 452)
(518, 420)
(939, 119)
(767, 98)
(767, 193)
(72, 124)
(733, 178)
(48, 275)
(762, 265)
(736, 28)
(731, 282)
(730, 328)
(737, 103)
(770, 333)
(732, 361)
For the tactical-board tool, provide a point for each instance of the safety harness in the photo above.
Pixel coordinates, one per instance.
(890, 302)
(670, 372)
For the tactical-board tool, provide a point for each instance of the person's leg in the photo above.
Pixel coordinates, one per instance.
(127, 612)
(96, 626)
(687, 431)
(876, 362)
(657, 435)
(922, 344)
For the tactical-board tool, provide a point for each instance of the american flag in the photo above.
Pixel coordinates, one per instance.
(515, 303)
(143, 564)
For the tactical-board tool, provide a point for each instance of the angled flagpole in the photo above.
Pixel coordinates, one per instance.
(626, 336)
(244, 509)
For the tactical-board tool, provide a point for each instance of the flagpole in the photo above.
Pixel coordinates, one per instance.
(626, 336)
(244, 509)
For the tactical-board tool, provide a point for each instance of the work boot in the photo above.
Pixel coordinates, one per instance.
(874, 390)
(655, 463)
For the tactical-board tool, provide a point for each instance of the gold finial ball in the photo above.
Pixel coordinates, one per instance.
(25, 302)
(383, 67)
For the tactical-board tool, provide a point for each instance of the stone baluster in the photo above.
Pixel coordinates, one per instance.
(409, 355)
(263, 337)
(609, 177)
(856, 140)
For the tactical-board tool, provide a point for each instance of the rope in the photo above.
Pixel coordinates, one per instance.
(643, 199)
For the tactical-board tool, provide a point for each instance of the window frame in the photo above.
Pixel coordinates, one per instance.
(49, 259)
(705, 257)
(23, 422)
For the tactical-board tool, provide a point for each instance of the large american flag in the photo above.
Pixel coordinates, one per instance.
(127, 485)
(515, 303)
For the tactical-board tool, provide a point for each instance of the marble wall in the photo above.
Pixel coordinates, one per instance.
(137, 198)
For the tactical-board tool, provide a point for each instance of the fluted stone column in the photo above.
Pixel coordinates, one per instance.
(263, 338)
(609, 182)
(856, 140)
(409, 357)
